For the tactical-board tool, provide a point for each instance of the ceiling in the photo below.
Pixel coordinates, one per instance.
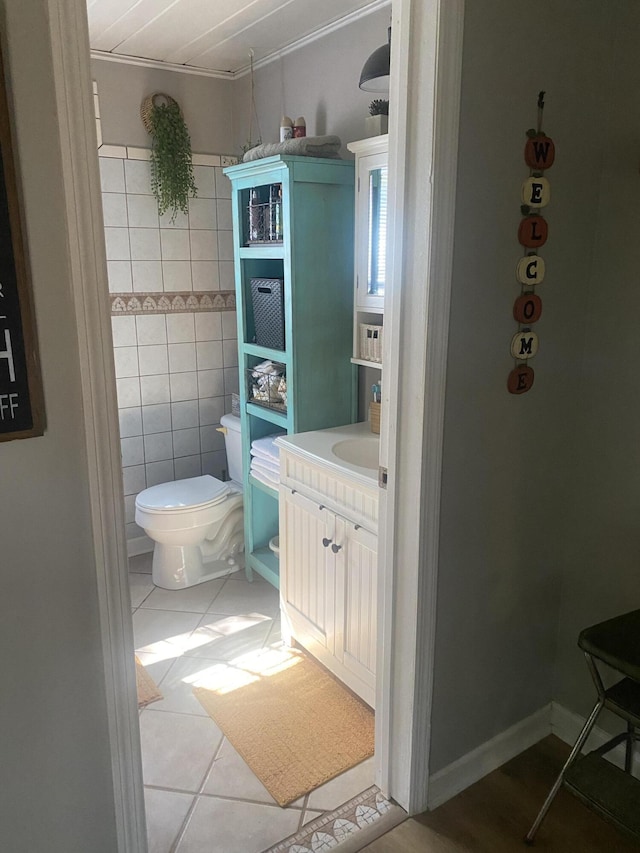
(215, 35)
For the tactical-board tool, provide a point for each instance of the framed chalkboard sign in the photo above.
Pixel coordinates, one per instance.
(21, 402)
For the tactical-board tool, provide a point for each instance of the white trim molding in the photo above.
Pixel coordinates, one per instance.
(423, 137)
(75, 108)
(124, 59)
(551, 719)
(139, 545)
(473, 766)
(298, 44)
(567, 725)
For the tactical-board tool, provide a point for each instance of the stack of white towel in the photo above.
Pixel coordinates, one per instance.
(265, 460)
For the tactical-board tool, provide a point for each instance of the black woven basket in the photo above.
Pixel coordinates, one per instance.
(267, 296)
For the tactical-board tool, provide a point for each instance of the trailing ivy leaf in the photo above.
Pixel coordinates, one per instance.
(172, 179)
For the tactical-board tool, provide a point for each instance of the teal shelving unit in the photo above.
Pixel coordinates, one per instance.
(315, 261)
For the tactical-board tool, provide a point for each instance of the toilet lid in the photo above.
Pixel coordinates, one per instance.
(193, 493)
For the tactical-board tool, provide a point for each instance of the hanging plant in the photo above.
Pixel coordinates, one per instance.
(172, 179)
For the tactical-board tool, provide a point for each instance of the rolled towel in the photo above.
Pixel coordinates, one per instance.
(305, 146)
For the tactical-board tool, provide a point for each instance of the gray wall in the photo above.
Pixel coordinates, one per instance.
(319, 82)
(206, 104)
(533, 485)
(602, 545)
(56, 791)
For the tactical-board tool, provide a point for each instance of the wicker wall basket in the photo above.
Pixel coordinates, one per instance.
(157, 99)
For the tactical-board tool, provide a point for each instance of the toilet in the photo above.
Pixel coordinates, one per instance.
(197, 523)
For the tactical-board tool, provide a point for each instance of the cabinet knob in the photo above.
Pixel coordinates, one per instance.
(335, 548)
(326, 542)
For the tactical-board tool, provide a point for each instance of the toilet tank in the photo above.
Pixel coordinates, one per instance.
(233, 446)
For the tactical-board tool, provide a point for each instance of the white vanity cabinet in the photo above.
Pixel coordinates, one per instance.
(328, 568)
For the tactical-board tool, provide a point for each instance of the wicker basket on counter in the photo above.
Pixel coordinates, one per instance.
(374, 417)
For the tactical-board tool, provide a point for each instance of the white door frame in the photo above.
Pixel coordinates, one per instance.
(427, 46)
(83, 205)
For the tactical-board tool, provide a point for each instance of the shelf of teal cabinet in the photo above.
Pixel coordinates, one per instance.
(270, 415)
(268, 490)
(265, 251)
(265, 563)
(265, 353)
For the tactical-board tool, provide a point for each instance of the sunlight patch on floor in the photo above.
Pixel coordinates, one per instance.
(181, 644)
(263, 663)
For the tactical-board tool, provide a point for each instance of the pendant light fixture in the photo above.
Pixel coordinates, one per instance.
(375, 72)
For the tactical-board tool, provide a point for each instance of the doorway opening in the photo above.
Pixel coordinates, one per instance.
(399, 758)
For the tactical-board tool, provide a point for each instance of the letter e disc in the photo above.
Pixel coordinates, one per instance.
(536, 192)
(520, 379)
(527, 309)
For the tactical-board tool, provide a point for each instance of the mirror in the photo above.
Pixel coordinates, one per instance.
(377, 242)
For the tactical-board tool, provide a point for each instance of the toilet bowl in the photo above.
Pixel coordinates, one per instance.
(196, 523)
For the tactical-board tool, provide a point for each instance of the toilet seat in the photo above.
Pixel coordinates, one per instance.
(183, 496)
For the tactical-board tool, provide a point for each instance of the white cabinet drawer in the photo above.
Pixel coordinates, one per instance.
(327, 486)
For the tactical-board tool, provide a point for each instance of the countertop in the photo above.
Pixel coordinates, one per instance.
(318, 445)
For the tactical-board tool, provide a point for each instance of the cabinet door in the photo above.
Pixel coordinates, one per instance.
(307, 577)
(356, 580)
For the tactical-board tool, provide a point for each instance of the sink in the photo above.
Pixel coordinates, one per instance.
(363, 451)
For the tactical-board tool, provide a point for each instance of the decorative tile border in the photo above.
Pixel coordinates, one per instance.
(173, 303)
(329, 830)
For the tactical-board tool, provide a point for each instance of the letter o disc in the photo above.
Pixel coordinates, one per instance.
(527, 309)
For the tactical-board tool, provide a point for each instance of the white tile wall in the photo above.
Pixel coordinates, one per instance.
(173, 381)
(174, 372)
(147, 252)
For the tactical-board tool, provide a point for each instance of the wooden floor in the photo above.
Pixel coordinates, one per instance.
(494, 815)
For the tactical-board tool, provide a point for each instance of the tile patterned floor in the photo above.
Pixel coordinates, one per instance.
(200, 795)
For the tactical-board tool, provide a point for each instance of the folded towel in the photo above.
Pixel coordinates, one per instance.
(267, 479)
(266, 447)
(265, 467)
(258, 456)
(305, 146)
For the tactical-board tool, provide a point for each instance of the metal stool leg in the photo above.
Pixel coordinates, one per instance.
(628, 755)
(582, 737)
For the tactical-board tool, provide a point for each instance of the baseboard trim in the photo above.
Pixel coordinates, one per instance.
(567, 725)
(139, 545)
(458, 775)
(551, 719)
